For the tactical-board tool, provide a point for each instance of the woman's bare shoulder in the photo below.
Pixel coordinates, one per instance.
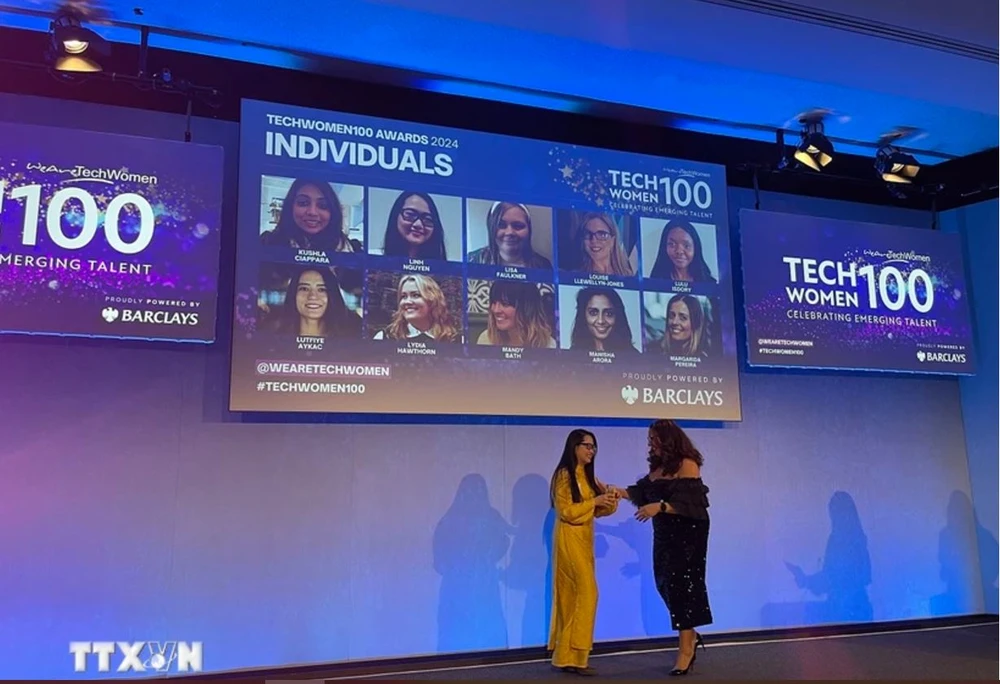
(689, 468)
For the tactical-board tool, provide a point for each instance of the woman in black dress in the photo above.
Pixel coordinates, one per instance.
(675, 498)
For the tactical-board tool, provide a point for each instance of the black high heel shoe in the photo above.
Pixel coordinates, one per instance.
(698, 641)
(677, 672)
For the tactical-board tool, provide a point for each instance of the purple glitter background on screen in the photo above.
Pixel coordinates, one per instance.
(769, 315)
(768, 237)
(246, 312)
(186, 200)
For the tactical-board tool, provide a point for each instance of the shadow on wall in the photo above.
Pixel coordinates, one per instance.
(957, 572)
(470, 542)
(843, 578)
(530, 568)
(638, 537)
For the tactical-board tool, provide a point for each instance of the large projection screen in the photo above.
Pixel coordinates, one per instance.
(394, 267)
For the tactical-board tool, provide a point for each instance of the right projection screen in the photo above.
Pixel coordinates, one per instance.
(824, 293)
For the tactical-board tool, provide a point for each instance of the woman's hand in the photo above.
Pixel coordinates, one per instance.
(606, 500)
(646, 512)
(619, 492)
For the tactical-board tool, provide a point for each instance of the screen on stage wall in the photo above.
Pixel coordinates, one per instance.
(822, 293)
(105, 235)
(393, 267)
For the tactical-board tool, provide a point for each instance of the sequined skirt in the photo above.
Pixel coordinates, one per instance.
(680, 551)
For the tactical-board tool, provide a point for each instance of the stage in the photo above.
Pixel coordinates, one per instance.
(962, 652)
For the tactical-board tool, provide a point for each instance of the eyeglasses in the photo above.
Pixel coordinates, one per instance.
(588, 447)
(411, 216)
(600, 236)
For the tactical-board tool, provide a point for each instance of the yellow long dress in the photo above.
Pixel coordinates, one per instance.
(574, 590)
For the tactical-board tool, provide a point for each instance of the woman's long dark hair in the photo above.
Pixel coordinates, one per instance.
(338, 318)
(286, 233)
(395, 245)
(568, 463)
(620, 338)
(668, 446)
(663, 267)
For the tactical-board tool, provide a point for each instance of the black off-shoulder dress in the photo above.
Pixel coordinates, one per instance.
(680, 546)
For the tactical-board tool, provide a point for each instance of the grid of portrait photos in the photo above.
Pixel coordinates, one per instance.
(481, 276)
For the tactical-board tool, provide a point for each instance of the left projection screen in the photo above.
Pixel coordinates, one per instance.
(107, 235)
(392, 267)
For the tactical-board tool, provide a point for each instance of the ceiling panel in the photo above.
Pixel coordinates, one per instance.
(972, 21)
(727, 62)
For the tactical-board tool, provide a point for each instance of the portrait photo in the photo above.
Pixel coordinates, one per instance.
(310, 213)
(414, 306)
(414, 224)
(512, 313)
(599, 319)
(597, 243)
(501, 233)
(679, 250)
(310, 301)
(681, 325)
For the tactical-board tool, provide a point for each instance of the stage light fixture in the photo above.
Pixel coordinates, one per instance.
(892, 164)
(74, 48)
(895, 166)
(815, 150)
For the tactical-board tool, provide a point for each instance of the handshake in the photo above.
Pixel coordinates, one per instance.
(611, 496)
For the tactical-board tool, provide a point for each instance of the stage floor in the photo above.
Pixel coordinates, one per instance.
(967, 652)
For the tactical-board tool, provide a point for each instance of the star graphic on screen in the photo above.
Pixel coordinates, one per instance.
(566, 171)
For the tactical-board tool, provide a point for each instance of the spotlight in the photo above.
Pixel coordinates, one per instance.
(895, 166)
(74, 48)
(815, 150)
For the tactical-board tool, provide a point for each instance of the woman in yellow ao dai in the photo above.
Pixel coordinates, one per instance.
(578, 498)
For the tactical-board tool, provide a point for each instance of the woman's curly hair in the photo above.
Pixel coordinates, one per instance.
(668, 446)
